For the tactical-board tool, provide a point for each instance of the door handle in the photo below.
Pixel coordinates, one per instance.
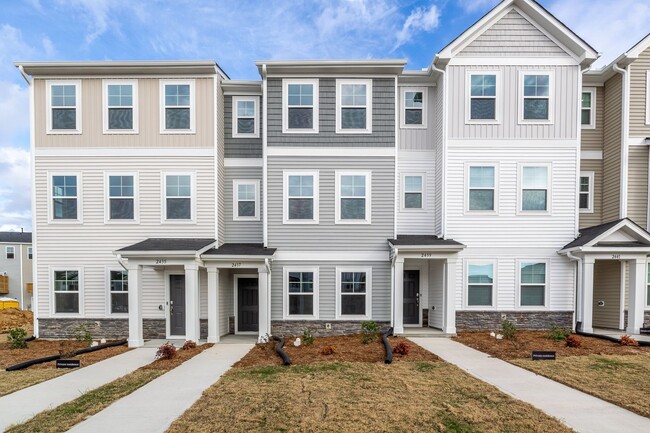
(171, 309)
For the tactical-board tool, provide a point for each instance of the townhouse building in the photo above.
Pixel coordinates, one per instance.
(16, 255)
(171, 201)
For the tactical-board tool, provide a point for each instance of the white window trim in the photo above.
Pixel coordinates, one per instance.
(10, 249)
(192, 84)
(285, 289)
(551, 96)
(256, 116)
(495, 267)
(107, 198)
(107, 284)
(468, 167)
(549, 188)
(425, 103)
(30, 251)
(163, 217)
(48, 114)
(368, 294)
(592, 114)
(546, 285)
(468, 98)
(337, 203)
(285, 196)
(50, 198)
(80, 270)
(590, 175)
(647, 99)
(285, 105)
(134, 106)
(403, 176)
(368, 128)
(235, 199)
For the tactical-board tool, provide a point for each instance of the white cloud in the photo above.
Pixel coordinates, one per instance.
(15, 189)
(420, 19)
(475, 5)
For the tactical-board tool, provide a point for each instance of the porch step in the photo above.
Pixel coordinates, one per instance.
(425, 332)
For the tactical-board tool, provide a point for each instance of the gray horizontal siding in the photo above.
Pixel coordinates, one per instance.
(383, 118)
(240, 147)
(241, 231)
(326, 235)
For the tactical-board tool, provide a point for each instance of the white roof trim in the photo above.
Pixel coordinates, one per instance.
(622, 224)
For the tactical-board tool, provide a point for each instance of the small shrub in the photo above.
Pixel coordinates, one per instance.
(402, 349)
(573, 341)
(328, 350)
(189, 344)
(558, 333)
(83, 334)
(307, 337)
(508, 329)
(166, 351)
(369, 331)
(67, 349)
(16, 338)
(626, 340)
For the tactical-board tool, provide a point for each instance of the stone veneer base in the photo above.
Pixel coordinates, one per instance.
(318, 327)
(111, 329)
(533, 320)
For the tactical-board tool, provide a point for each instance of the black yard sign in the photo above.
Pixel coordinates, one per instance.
(68, 363)
(538, 355)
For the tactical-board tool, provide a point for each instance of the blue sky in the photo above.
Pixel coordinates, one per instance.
(236, 33)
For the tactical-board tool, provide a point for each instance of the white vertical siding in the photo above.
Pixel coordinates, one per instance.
(436, 292)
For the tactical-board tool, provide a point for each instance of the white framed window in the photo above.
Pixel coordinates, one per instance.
(67, 289)
(300, 293)
(586, 193)
(301, 192)
(533, 283)
(63, 106)
(353, 197)
(588, 108)
(480, 284)
(246, 200)
(354, 106)
(245, 117)
(535, 191)
(30, 253)
(177, 107)
(536, 97)
(118, 291)
(65, 197)
(10, 252)
(120, 106)
(413, 191)
(414, 107)
(121, 197)
(353, 293)
(482, 188)
(483, 104)
(300, 106)
(179, 201)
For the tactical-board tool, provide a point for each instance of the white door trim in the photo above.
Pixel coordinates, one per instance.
(168, 306)
(235, 279)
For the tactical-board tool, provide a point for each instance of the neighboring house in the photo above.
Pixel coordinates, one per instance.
(171, 201)
(16, 257)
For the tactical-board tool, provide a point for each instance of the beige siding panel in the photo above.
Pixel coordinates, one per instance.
(596, 217)
(607, 288)
(592, 139)
(149, 112)
(513, 36)
(637, 185)
(612, 149)
(639, 95)
(226, 300)
(421, 139)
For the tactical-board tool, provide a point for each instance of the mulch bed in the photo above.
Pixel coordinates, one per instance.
(347, 348)
(527, 341)
(181, 356)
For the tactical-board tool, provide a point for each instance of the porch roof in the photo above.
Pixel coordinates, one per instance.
(634, 236)
(174, 245)
(429, 241)
(233, 249)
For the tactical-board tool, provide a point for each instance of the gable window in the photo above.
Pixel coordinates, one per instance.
(245, 117)
(353, 197)
(588, 109)
(354, 292)
(64, 107)
(414, 108)
(120, 106)
(300, 106)
(64, 197)
(532, 284)
(301, 197)
(177, 114)
(119, 291)
(66, 291)
(534, 191)
(301, 285)
(413, 187)
(535, 104)
(354, 106)
(246, 200)
(482, 188)
(482, 98)
(10, 252)
(121, 197)
(30, 253)
(178, 197)
(480, 284)
(586, 196)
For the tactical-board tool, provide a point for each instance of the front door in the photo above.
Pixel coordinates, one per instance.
(177, 304)
(247, 305)
(411, 297)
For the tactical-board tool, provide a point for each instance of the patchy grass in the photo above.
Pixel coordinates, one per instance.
(359, 397)
(11, 381)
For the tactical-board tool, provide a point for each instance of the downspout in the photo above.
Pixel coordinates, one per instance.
(398, 198)
(120, 260)
(392, 292)
(24, 74)
(265, 217)
(625, 151)
(443, 177)
(577, 299)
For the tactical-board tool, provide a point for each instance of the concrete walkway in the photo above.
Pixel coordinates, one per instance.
(582, 412)
(22, 405)
(152, 408)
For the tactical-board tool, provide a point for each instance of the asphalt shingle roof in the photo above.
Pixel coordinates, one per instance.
(169, 244)
(16, 237)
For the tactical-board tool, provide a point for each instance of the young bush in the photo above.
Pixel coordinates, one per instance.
(189, 344)
(166, 351)
(307, 337)
(508, 329)
(626, 340)
(558, 333)
(369, 331)
(573, 341)
(83, 334)
(328, 350)
(402, 349)
(16, 338)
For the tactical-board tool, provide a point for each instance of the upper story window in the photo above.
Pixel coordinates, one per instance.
(301, 295)
(414, 107)
(300, 105)
(534, 188)
(246, 200)
(30, 253)
(413, 187)
(354, 106)
(64, 107)
(301, 197)
(119, 291)
(535, 103)
(532, 284)
(179, 201)
(178, 110)
(121, 197)
(588, 108)
(245, 117)
(65, 197)
(10, 252)
(482, 104)
(66, 291)
(482, 188)
(120, 106)
(586, 193)
(353, 198)
(480, 284)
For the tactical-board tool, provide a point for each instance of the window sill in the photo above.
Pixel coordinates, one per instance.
(535, 122)
(354, 131)
(586, 211)
(178, 132)
(482, 122)
(122, 222)
(414, 209)
(246, 219)
(300, 318)
(351, 317)
(413, 126)
(300, 131)
(352, 222)
(63, 132)
(186, 222)
(121, 132)
(588, 126)
(245, 136)
(65, 221)
(301, 222)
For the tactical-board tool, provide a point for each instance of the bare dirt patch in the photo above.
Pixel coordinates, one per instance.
(13, 318)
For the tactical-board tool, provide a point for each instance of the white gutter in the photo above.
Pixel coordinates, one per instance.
(24, 74)
(625, 151)
(120, 260)
(577, 299)
(265, 168)
(443, 189)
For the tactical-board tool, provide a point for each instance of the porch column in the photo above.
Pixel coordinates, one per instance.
(587, 294)
(264, 318)
(449, 297)
(636, 299)
(135, 305)
(213, 305)
(192, 324)
(398, 322)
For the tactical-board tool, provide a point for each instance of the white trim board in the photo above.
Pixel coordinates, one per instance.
(125, 151)
(243, 162)
(340, 256)
(591, 154)
(330, 151)
(513, 61)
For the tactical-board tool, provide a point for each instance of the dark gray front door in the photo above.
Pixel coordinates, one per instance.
(247, 305)
(177, 304)
(411, 297)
